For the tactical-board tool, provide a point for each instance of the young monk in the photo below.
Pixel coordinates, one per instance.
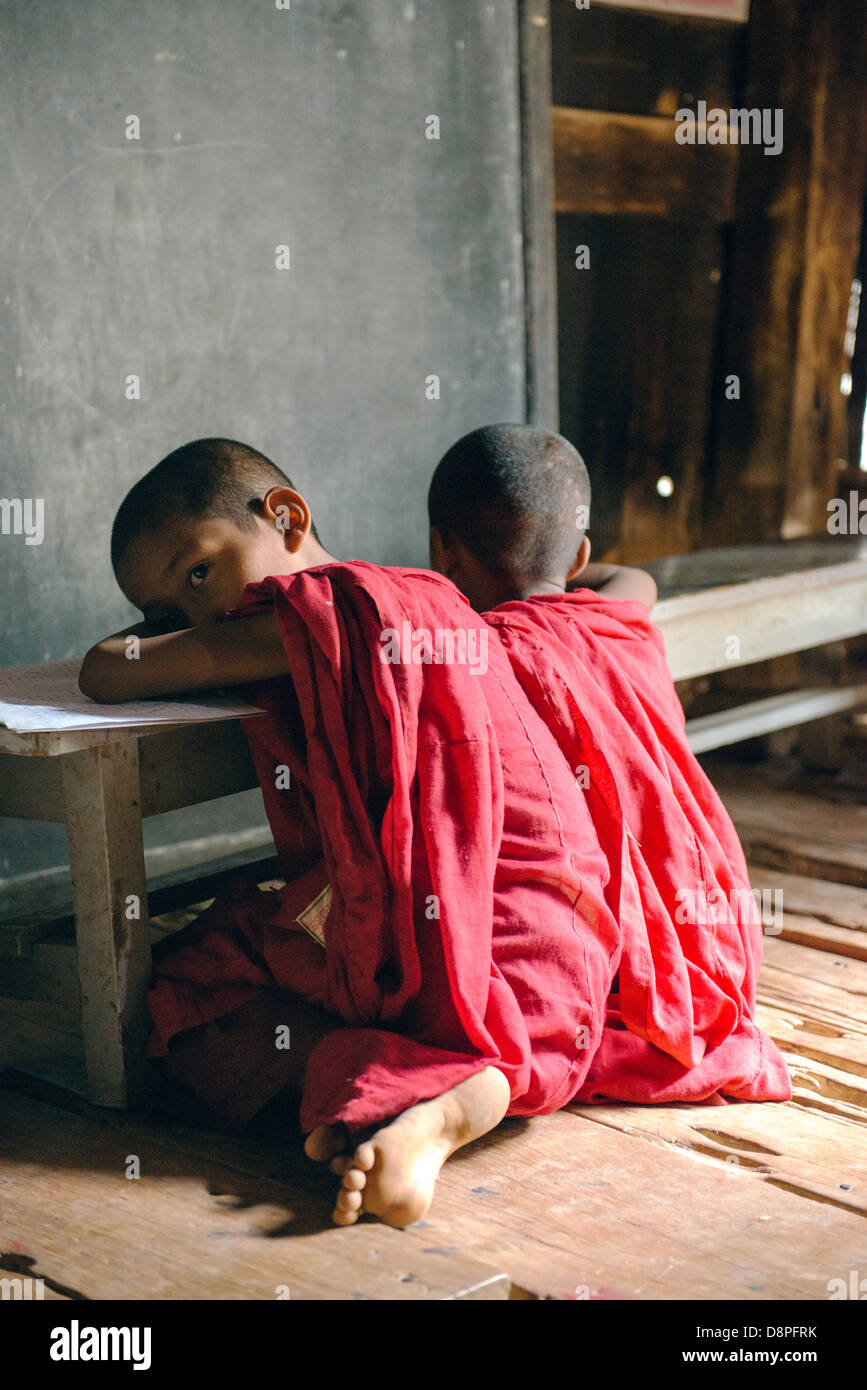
(443, 949)
(508, 508)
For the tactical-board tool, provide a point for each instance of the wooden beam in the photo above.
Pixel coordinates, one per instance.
(618, 165)
(794, 256)
(766, 716)
(768, 617)
(540, 259)
(642, 63)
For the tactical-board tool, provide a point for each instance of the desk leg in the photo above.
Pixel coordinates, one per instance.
(103, 826)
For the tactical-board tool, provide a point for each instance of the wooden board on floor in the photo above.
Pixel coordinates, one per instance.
(838, 971)
(836, 904)
(192, 1228)
(568, 1204)
(792, 831)
(826, 1087)
(797, 1031)
(832, 1004)
(818, 1156)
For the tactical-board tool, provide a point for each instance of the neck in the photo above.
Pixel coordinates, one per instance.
(528, 588)
(316, 554)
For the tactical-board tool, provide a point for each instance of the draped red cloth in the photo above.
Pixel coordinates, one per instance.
(469, 920)
(680, 1020)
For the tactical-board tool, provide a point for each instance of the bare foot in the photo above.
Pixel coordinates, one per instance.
(393, 1173)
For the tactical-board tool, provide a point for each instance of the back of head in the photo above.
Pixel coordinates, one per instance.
(517, 498)
(206, 478)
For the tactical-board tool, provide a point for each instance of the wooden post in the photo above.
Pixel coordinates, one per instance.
(103, 819)
(540, 255)
(795, 250)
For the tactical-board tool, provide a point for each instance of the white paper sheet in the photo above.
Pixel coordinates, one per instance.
(46, 698)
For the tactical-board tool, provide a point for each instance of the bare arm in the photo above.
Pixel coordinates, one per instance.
(198, 658)
(616, 581)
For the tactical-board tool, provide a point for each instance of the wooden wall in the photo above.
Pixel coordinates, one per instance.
(704, 262)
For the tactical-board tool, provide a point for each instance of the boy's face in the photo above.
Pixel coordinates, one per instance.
(194, 570)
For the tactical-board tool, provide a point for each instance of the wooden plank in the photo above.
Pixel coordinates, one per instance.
(789, 830)
(814, 998)
(768, 617)
(816, 1155)
(567, 1204)
(192, 1227)
(540, 257)
(842, 1045)
(833, 1089)
(837, 904)
(103, 822)
(194, 764)
(730, 726)
(794, 256)
(180, 766)
(840, 941)
(56, 743)
(839, 971)
(733, 11)
(631, 166)
(724, 566)
(644, 64)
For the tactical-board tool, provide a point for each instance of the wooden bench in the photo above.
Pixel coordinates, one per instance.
(775, 599)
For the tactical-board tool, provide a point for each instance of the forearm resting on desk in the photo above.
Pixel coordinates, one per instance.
(168, 663)
(616, 581)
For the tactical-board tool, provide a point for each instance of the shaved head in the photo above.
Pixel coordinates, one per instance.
(516, 497)
(208, 478)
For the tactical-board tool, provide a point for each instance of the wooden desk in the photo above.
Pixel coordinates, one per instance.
(782, 597)
(775, 599)
(101, 783)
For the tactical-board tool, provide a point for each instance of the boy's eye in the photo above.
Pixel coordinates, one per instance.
(197, 574)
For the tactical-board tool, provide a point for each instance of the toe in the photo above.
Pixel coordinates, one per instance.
(325, 1141)
(364, 1157)
(348, 1201)
(341, 1165)
(344, 1218)
(354, 1180)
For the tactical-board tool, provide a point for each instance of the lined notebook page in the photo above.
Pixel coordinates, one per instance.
(46, 699)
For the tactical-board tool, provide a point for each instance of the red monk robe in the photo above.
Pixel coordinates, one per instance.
(680, 1024)
(466, 922)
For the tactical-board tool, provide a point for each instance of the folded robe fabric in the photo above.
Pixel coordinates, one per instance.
(680, 1026)
(469, 920)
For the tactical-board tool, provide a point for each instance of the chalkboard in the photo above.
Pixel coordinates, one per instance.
(306, 127)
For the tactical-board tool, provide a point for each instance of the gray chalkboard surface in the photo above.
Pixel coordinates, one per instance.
(304, 127)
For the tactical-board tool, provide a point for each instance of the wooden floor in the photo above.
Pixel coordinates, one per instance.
(614, 1202)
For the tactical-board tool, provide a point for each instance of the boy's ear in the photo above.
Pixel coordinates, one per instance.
(286, 509)
(581, 560)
